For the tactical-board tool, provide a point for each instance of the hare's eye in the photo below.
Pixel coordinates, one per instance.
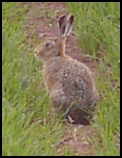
(47, 44)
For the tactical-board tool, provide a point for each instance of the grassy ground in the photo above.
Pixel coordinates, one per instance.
(97, 30)
(22, 99)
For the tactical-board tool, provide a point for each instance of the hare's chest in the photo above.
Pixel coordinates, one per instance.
(51, 75)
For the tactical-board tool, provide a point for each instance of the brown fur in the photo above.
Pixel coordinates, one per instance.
(69, 83)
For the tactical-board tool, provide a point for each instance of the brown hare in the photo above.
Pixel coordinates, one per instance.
(69, 83)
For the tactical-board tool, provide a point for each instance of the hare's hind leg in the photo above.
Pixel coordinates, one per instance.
(57, 98)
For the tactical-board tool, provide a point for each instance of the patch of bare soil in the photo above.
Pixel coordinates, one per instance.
(76, 139)
(42, 18)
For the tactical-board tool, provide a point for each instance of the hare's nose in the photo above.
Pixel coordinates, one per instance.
(35, 51)
(36, 56)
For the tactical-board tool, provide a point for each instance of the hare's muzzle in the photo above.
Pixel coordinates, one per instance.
(36, 56)
(35, 53)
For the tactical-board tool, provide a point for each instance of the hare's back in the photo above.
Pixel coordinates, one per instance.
(73, 71)
(77, 82)
(69, 71)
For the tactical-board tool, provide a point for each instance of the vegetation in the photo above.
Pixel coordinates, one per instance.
(23, 102)
(98, 31)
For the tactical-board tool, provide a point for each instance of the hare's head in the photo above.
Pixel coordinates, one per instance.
(56, 47)
(47, 49)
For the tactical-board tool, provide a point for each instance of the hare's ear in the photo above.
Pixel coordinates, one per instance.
(70, 20)
(62, 25)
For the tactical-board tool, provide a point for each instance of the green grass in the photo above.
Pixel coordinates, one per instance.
(23, 95)
(98, 32)
(22, 99)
